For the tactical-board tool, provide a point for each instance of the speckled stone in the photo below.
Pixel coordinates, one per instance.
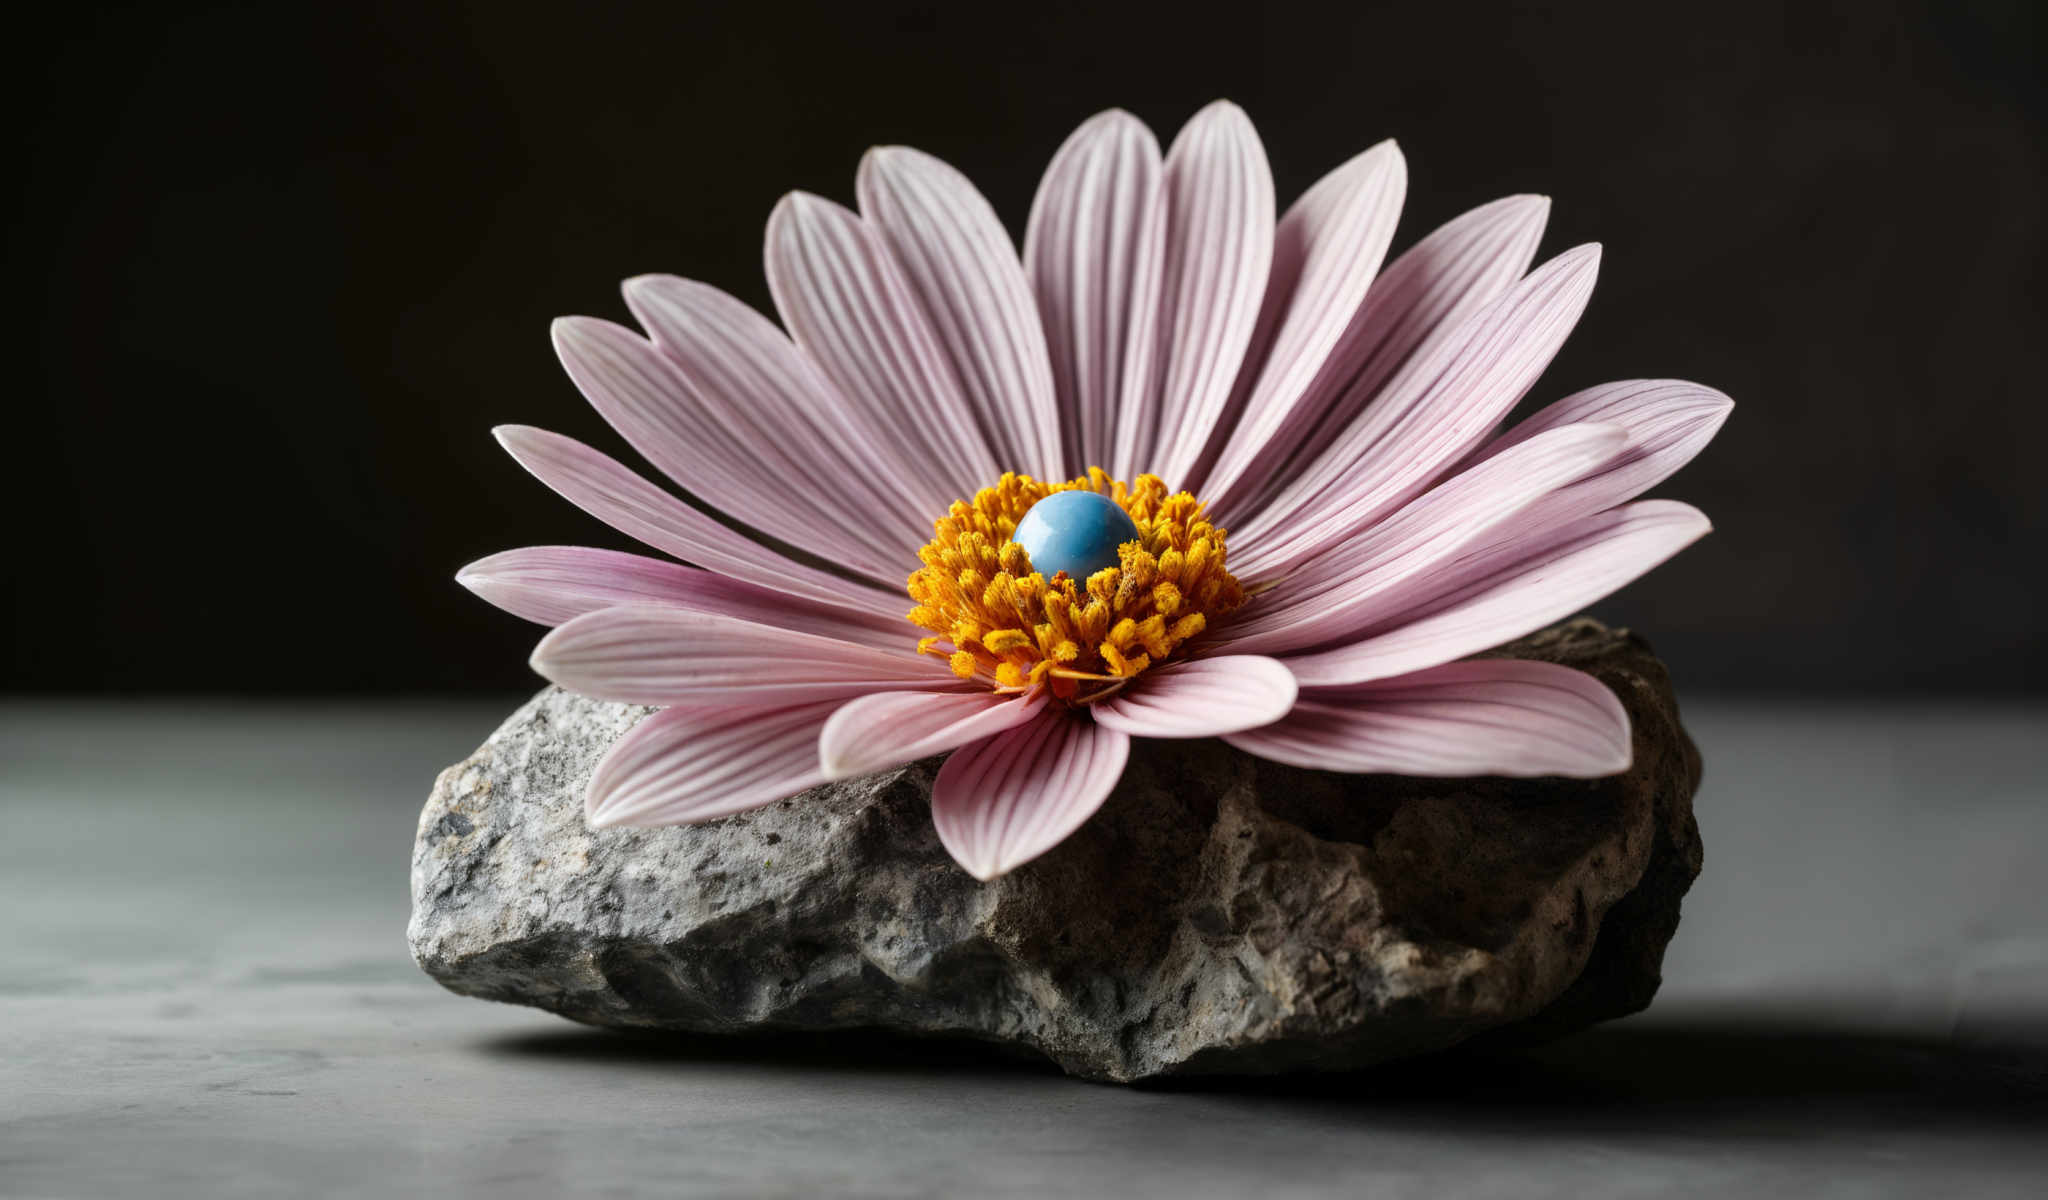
(1221, 913)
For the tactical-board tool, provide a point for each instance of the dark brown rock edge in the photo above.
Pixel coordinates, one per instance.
(1220, 915)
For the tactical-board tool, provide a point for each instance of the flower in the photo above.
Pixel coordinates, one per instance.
(1163, 360)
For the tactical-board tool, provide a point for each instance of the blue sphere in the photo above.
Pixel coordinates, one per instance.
(1075, 532)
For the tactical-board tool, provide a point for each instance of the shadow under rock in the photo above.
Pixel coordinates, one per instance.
(1702, 1077)
(854, 1051)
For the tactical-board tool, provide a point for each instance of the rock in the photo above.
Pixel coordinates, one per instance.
(1220, 914)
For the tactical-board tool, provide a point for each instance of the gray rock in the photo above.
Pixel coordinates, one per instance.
(1221, 914)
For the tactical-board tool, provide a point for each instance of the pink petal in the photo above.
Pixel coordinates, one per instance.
(1426, 295)
(645, 655)
(1668, 422)
(601, 487)
(1219, 246)
(742, 472)
(683, 765)
(1523, 590)
(965, 273)
(1092, 251)
(555, 584)
(1487, 717)
(1000, 803)
(853, 313)
(1203, 697)
(1440, 411)
(751, 379)
(888, 729)
(1326, 251)
(1351, 585)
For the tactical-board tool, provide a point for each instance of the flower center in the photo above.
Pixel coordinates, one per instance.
(1075, 586)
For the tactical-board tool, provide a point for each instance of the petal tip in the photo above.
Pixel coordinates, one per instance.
(1530, 210)
(1112, 123)
(574, 338)
(797, 202)
(644, 284)
(1223, 107)
(543, 660)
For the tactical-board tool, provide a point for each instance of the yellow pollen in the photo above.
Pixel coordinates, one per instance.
(995, 619)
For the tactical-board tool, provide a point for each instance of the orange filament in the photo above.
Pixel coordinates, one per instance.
(995, 619)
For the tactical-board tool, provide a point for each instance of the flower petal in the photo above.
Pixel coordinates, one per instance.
(597, 484)
(1417, 429)
(1000, 803)
(750, 378)
(1219, 246)
(737, 470)
(964, 271)
(1422, 298)
(1204, 697)
(698, 764)
(888, 729)
(1418, 302)
(555, 584)
(1524, 589)
(1092, 251)
(645, 655)
(1668, 422)
(853, 313)
(1349, 586)
(1487, 717)
(1326, 251)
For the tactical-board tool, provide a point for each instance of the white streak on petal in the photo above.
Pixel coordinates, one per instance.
(645, 655)
(1487, 717)
(964, 271)
(1326, 251)
(853, 313)
(1422, 298)
(600, 486)
(888, 729)
(556, 584)
(1091, 251)
(1546, 582)
(1415, 431)
(1219, 246)
(1002, 802)
(684, 765)
(1205, 697)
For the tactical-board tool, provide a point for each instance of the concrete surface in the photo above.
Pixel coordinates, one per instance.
(205, 992)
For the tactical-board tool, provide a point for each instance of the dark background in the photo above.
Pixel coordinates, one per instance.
(284, 266)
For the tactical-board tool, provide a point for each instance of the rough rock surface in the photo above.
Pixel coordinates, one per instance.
(1220, 914)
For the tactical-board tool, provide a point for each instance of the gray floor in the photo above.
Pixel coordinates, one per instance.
(204, 991)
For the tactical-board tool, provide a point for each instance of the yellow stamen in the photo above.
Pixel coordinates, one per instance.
(993, 618)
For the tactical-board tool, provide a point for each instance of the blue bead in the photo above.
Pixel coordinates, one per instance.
(1075, 532)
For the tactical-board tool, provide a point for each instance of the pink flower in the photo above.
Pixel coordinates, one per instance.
(1338, 418)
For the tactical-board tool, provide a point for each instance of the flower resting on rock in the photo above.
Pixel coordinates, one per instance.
(1165, 360)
